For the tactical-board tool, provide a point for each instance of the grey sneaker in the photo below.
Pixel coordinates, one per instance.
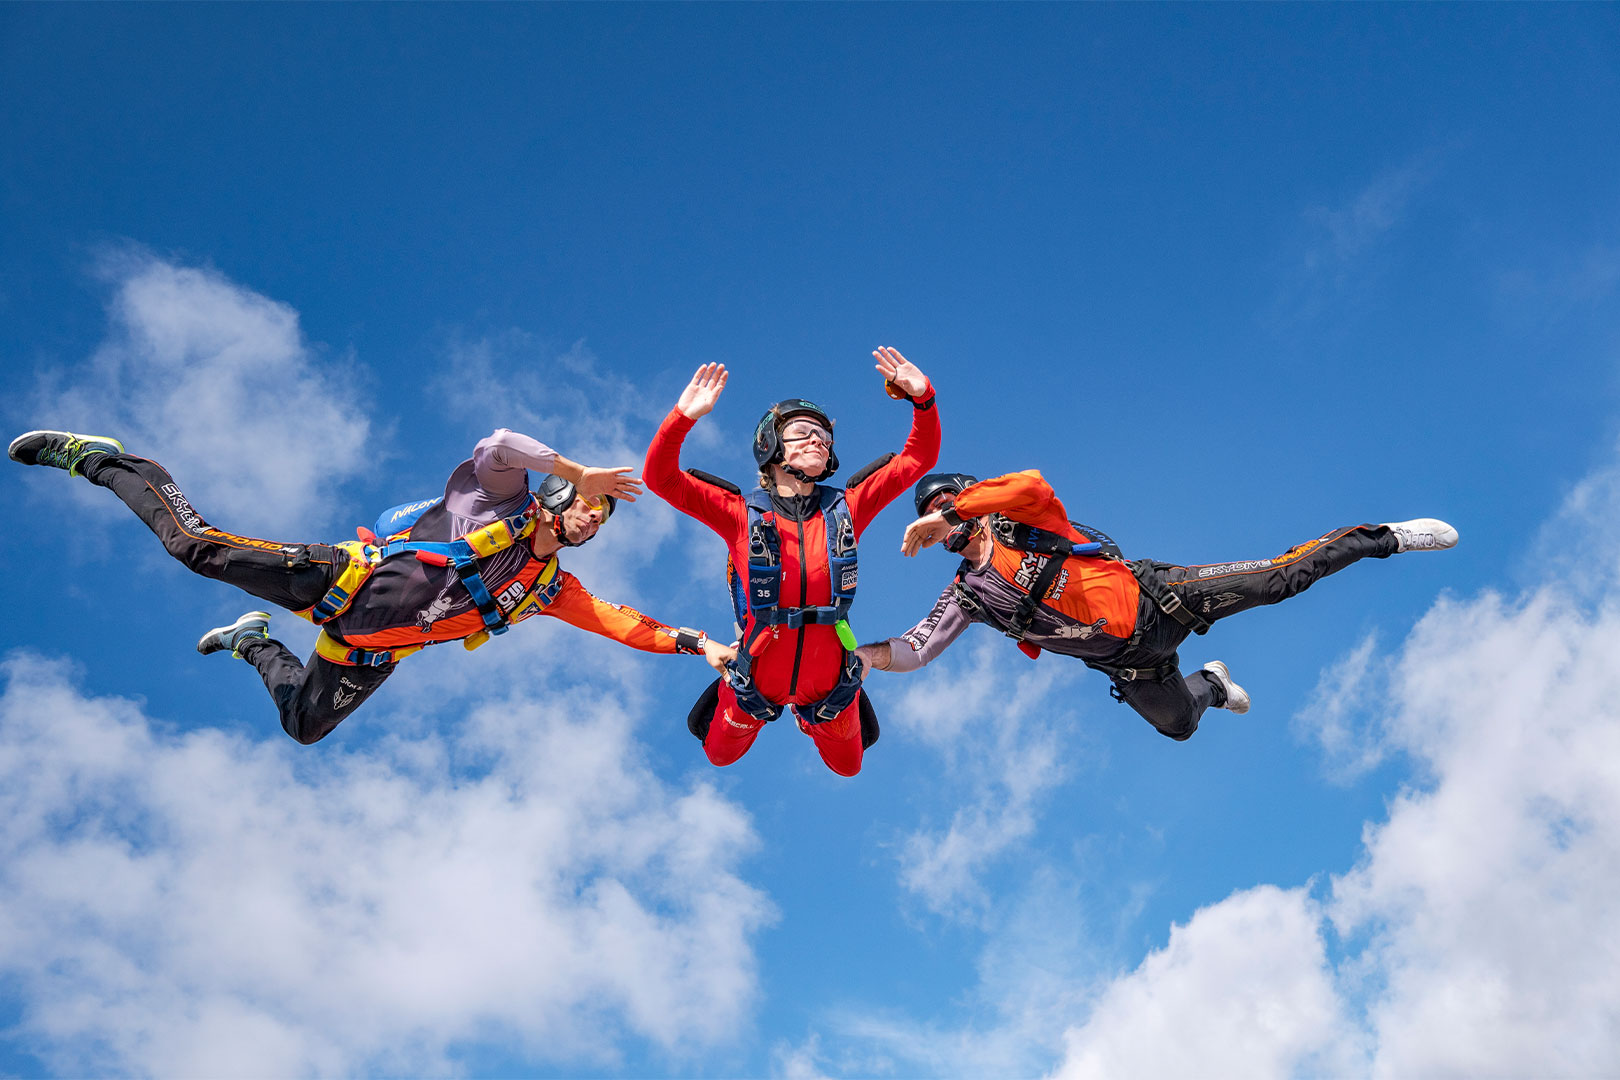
(1422, 534)
(255, 624)
(1237, 698)
(61, 449)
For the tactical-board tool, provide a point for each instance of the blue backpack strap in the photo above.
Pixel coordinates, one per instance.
(764, 593)
(841, 559)
(462, 556)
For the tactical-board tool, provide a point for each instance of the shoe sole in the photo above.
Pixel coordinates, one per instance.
(11, 451)
(223, 633)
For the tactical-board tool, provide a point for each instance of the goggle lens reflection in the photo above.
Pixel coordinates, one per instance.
(800, 430)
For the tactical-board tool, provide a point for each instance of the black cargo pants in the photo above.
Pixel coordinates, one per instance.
(1174, 703)
(312, 698)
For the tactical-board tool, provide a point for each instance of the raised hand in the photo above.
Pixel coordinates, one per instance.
(703, 391)
(900, 371)
(595, 482)
(926, 531)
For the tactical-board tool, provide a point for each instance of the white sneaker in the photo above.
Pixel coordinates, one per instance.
(255, 624)
(1237, 698)
(1422, 534)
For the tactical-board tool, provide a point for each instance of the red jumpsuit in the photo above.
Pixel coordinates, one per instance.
(796, 667)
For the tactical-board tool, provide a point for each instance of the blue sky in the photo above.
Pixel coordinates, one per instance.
(1229, 275)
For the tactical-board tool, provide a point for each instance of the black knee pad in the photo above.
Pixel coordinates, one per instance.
(702, 714)
(869, 724)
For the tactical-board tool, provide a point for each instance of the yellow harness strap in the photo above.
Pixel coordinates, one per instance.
(328, 648)
(362, 562)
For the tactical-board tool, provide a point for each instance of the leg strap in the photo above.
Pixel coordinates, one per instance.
(1166, 600)
(740, 678)
(849, 685)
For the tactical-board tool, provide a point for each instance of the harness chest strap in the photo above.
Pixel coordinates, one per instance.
(367, 553)
(540, 595)
(761, 599)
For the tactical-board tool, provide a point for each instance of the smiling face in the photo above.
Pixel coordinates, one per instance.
(582, 518)
(806, 445)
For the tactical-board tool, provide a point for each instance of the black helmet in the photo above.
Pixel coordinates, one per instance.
(557, 495)
(768, 435)
(934, 483)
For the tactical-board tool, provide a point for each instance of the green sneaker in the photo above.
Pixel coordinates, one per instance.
(61, 449)
(255, 624)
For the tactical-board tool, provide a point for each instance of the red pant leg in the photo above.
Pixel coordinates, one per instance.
(732, 731)
(839, 740)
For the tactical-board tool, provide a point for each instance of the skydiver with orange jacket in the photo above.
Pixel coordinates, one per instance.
(792, 555)
(461, 567)
(1056, 585)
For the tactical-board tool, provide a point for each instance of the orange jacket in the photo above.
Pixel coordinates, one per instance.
(1088, 588)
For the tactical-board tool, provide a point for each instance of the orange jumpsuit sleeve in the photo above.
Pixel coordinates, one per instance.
(1024, 497)
(576, 606)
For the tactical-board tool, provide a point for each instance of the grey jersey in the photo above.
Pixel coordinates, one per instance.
(997, 601)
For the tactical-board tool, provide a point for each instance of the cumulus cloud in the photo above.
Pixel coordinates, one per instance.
(1242, 990)
(197, 904)
(1477, 929)
(1471, 936)
(218, 383)
(997, 773)
(568, 400)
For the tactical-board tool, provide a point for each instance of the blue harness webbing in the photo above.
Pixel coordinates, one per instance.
(760, 595)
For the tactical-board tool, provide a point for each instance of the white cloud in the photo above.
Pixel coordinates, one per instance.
(1243, 990)
(568, 401)
(1477, 924)
(1473, 936)
(1330, 717)
(217, 383)
(1488, 895)
(1346, 231)
(1000, 728)
(1338, 246)
(202, 905)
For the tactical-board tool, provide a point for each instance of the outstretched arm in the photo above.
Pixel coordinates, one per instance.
(903, 380)
(919, 645)
(577, 606)
(501, 460)
(719, 510)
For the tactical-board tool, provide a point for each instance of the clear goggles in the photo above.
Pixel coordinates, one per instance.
(943, 501)
(800, 430)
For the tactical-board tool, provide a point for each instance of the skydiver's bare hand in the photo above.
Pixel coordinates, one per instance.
(703, 391)
(718, 655)
(595, 482)
(873, 656)
(926, 531)
(900, 371)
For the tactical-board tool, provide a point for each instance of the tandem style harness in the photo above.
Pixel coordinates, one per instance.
(759, 593)
(392, 536)
(1057, 550)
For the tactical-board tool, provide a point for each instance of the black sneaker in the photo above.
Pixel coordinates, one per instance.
(255, 624)
(61, 449)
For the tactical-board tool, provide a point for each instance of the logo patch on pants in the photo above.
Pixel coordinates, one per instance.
(340, 700)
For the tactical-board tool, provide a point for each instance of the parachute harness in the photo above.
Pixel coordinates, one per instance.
(759, 595)
(461, 553)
